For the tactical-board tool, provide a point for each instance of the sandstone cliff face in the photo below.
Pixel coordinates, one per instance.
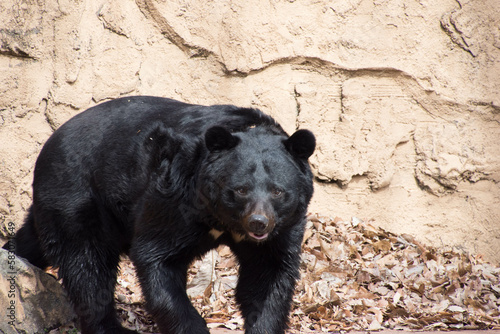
(404, 96)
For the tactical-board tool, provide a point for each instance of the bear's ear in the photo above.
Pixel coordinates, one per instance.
(301, 144)
(218, 139)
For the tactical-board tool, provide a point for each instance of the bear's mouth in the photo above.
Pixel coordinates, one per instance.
(258, 236)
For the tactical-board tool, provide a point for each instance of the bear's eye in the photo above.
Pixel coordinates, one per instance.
(242, 191)
(277, 192)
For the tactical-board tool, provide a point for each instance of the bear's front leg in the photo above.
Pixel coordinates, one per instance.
(267, 278)
(163, 283)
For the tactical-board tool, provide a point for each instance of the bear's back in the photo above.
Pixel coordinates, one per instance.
(129, 115)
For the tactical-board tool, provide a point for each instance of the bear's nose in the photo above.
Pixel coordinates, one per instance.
(258, 223)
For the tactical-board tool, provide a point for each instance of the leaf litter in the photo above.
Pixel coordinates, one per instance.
(354, 276)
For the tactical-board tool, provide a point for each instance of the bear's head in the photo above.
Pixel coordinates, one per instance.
(257, 182)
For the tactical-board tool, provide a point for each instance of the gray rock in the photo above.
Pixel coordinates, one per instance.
(32, 301)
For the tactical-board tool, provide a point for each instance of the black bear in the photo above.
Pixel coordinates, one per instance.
(165, 182)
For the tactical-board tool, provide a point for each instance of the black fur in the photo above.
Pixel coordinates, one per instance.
(165, 182)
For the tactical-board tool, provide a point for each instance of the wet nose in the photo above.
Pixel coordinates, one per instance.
(258, 223)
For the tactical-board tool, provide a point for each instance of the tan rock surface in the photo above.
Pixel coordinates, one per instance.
(404, 96)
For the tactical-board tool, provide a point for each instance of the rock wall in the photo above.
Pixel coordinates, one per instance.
(404, 96)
